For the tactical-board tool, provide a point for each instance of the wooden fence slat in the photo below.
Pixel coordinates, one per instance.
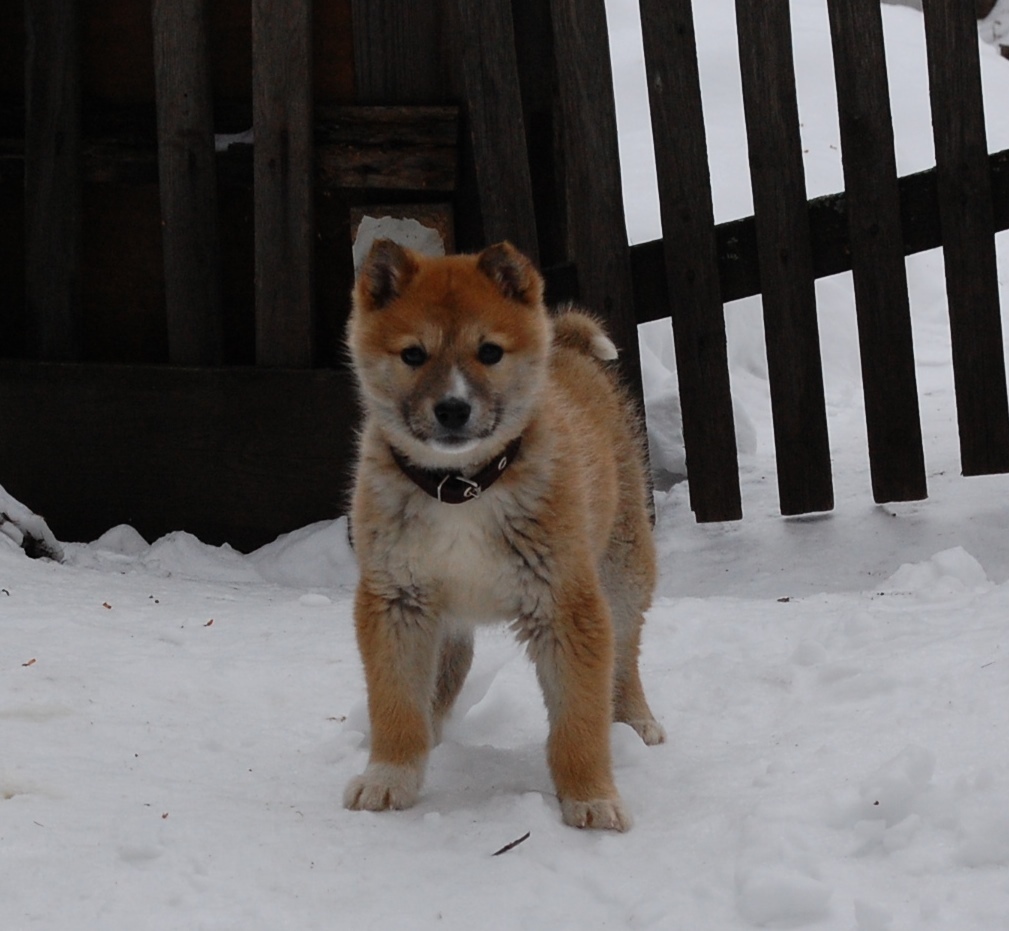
(397, 45)
(188, 182)
(688, 232)
(597, 233)
(965, 208)
(896, 456)
(782, 218)
(53, 179)
(537, 67)
(283, 170)
(494, 115)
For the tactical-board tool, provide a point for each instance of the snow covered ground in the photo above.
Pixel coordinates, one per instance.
(177, 721)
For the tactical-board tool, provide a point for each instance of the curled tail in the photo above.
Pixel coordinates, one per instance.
(577, 330)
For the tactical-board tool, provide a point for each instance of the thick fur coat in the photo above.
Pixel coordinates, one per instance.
(457, 358)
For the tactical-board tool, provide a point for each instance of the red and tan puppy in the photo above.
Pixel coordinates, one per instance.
(500, 479)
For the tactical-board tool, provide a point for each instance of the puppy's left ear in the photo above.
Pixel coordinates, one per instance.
(386, 272)
(515, 276)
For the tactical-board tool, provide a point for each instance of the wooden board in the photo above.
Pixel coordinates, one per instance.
(896, 457)
(413, 149)
(538, 88)
(597, 234)
(188, 182)
(495, 122)
(397, 52)
(53, 179)
(688, 228)
(233, 455)
(786, 269)
(965, 208)
(387, 148)
(283, 172)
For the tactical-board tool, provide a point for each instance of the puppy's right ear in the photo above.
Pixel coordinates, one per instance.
(385, 274)
(513, 274)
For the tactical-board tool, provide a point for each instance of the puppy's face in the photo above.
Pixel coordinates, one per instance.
(451, 353)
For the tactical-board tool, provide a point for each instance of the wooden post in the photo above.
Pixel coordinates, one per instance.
(691, 262)
(597, 231)
(786, 272)
(537, 69)
(965, 208)
(188, 182)
(283, 170)
(494, 115)
(896, 458)
(53, 179)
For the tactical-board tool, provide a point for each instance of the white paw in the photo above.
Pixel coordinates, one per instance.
(606, 814)
(382, 786)
(650, 731)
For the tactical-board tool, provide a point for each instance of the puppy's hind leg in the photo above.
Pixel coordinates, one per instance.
(398, 644)
(456, 657)
(627, 578)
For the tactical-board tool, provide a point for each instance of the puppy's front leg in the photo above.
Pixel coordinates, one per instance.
(398, 642)
(573, 652)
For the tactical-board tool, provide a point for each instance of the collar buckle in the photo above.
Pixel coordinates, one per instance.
(472, 489)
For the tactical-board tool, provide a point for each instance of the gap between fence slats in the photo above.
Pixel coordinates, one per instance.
(965, 209)
(691, 261)
(188, 182)
(283, 172)
(53, 179)
(893, 423)
(782, 219)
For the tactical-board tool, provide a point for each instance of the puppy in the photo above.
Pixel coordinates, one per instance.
(500, 477)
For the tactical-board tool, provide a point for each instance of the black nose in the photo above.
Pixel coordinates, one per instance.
(452, 413)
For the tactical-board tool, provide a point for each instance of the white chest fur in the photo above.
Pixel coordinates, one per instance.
(461, 555)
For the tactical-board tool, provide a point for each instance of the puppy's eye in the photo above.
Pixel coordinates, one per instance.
(414, 356)
(490, 353)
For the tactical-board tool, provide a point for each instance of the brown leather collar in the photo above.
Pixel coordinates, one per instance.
(451, 487)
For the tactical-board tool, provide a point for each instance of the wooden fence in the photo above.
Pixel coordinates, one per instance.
(868, 229)
(503, 110)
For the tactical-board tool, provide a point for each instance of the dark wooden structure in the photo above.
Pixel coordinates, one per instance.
(171, 309)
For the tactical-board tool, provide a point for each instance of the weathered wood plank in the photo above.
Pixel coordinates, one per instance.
(538, 87)
(234, 455)
(965, 208)
(688, 228)
(786, 268)
(387, 148)
(188, 182)
(52, 175)
(896, 456)
(597, 235)
(283, 170)
(495, 122)
(357, 148)
(396, 45)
